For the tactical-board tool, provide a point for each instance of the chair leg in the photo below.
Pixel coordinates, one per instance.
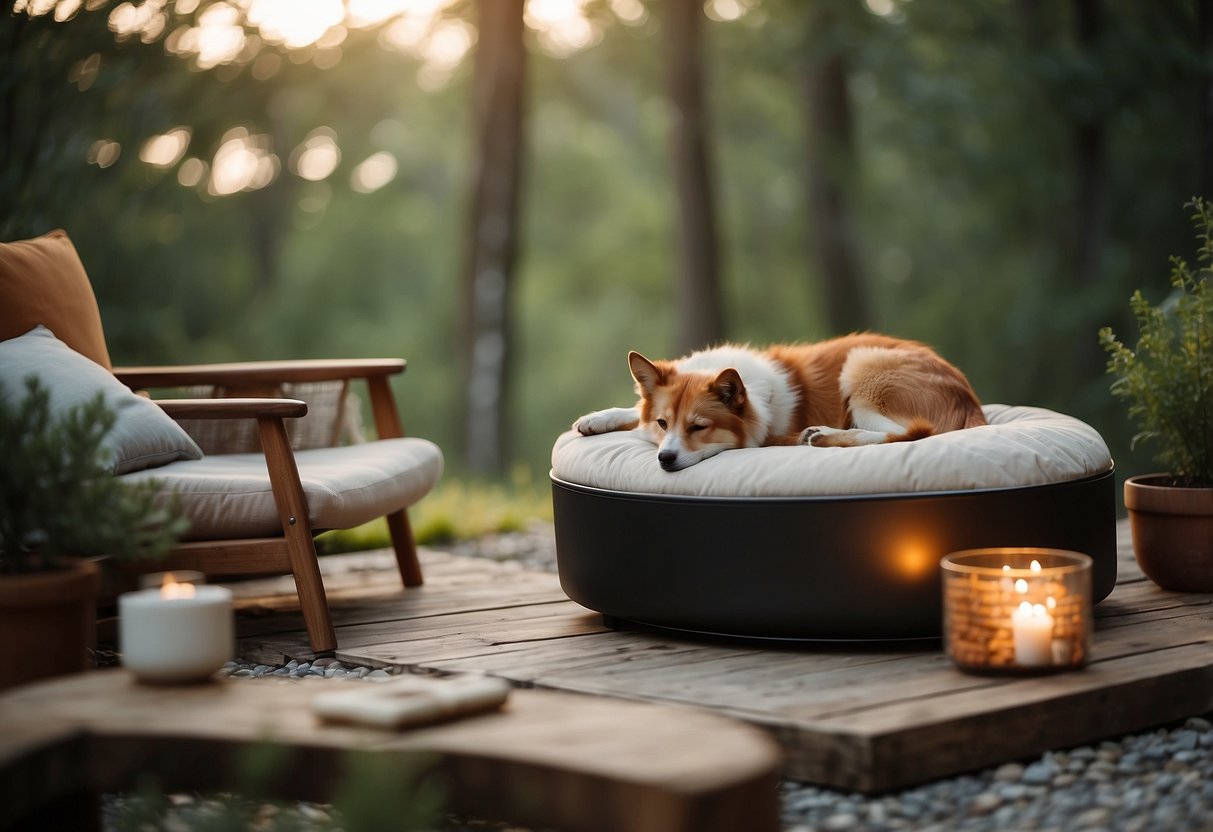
(406, 548)
(301, 549)
(313, 602)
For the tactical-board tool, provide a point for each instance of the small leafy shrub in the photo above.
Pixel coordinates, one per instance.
(1168, 378)
(57, 496)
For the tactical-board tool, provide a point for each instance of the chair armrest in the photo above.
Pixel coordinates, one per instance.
(257, 373)
(254, 377)
(232, 408)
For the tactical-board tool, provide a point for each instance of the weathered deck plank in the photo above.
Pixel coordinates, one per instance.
(865, 718)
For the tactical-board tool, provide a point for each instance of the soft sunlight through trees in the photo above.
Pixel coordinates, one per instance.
(294, 178)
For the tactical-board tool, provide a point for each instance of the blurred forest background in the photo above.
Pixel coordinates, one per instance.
(513, 193)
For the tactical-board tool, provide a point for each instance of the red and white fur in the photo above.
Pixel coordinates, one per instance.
(862, 389)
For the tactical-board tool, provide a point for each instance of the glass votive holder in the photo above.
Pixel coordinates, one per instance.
(1017, 610)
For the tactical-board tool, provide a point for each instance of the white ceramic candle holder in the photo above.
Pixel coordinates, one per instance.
(176, 633)
(1017, 610)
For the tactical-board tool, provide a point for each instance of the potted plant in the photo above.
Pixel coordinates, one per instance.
(1168, 381)
(60, 508)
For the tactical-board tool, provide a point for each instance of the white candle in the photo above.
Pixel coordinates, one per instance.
(1032, 629)
(177, 633)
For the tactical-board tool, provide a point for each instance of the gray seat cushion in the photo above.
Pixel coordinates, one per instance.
(229, 496)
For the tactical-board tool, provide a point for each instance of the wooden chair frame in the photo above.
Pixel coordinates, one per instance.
(248, 389)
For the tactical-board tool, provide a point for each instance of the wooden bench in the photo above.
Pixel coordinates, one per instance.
(548, 759)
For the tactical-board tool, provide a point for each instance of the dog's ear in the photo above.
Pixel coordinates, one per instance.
(729, 388)
(647, 374)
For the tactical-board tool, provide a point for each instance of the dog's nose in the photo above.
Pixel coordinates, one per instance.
(667, 459)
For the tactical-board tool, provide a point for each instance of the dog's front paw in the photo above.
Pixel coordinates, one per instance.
(587, 425)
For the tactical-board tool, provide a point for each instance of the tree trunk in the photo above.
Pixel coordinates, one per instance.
(700, 313)
(831, 177)
(492, 233)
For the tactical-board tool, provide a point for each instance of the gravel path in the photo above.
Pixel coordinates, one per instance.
(1160, 780)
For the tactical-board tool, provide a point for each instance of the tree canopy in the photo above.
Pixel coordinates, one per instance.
(270, 179)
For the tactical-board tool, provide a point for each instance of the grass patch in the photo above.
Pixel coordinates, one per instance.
(456, 509)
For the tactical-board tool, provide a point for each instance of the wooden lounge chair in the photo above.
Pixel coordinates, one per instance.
(251, 513)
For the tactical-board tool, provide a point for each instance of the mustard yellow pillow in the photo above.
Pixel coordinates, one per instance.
(42, 281)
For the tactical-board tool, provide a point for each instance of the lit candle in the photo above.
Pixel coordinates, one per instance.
(1017, 610)
(176, 633)
(1032, 630)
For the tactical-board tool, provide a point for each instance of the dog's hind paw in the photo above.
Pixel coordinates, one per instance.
(806, 436)
(819, 436)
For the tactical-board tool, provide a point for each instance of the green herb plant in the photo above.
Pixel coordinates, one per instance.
(1168, 377)
(57, 495)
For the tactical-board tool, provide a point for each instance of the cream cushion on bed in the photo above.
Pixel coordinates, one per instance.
(228, 495)
(1022, 446)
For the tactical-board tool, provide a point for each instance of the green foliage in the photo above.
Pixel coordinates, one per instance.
(1168, 378)
(455, 510)
(57, 495)
(373, 794)
(377, 797)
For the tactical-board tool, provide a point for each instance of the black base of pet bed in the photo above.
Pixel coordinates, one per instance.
(808, 568)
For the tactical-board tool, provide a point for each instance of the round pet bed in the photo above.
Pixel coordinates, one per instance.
(822, 543)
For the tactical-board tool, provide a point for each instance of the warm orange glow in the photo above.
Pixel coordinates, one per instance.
(172, 589)
(914, 559)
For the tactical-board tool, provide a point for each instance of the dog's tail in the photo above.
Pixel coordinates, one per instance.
(917, 429)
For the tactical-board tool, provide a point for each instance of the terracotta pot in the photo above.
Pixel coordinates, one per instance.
(48, 622)
(1172, 532)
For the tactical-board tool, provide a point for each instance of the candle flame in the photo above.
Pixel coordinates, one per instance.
(1034, 566)
(1051, 602)
(1006, 567)
(1021, 586)
(172, 589)
(1027, 608)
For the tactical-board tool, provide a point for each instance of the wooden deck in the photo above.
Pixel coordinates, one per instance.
(864, 719)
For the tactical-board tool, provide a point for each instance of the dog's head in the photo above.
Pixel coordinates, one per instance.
(690, 416)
